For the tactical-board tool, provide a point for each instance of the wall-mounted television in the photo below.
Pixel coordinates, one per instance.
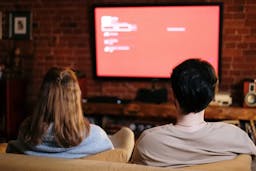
(148, 40)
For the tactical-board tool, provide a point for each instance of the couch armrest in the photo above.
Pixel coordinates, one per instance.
(3, 147)
(123, 142)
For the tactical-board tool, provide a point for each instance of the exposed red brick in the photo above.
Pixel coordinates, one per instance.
(230, 45)
(234, 8)
(242, 45)
(232, 38)
(250, 53)
(252, 45)
(229, 31)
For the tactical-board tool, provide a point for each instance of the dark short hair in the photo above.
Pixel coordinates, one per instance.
(193, 83)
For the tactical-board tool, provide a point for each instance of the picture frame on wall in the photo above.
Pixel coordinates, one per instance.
(20, 25)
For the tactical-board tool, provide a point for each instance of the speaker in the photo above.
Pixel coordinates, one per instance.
(249, 94)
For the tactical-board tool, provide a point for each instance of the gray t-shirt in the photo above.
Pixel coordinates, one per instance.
(168, 146)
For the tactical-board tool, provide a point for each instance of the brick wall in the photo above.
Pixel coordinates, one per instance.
(61, 38)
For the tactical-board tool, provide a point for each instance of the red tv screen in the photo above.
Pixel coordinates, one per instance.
(148, 41)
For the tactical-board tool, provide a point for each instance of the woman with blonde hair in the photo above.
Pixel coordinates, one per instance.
(57, 127)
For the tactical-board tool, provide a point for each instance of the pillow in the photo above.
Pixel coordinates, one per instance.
(123, 142)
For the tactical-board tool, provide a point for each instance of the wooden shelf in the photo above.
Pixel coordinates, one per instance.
(225, 113)
(166, 111)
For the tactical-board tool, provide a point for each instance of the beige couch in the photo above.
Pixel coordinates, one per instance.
(112, 160)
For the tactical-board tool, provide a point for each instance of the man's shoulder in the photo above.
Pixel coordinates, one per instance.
(155, 131)
(224, 125)
(226, 128)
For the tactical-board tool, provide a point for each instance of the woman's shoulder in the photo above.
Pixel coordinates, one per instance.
(98, 136)
(96, 130)
(94, 127)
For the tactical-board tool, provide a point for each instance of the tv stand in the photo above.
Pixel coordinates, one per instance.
(165, 111)
(145, 115)
(104, 99)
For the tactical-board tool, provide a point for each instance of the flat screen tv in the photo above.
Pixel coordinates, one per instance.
(147, 41)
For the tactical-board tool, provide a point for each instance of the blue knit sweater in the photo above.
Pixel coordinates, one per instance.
(97, 141)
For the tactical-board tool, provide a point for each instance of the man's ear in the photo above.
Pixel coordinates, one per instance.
(177, 105)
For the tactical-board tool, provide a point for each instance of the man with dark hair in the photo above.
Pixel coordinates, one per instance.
(193, 83)
(191, 140)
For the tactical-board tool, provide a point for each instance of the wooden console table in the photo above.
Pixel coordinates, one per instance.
(140, 116)
(166, 111)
